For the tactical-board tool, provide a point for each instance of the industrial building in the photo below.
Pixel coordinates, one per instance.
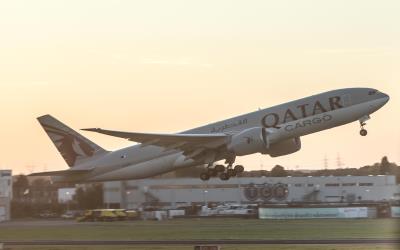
(176, 192)
(5, 194)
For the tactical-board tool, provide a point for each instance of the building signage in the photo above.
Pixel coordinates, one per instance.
(266, 192)
(251, 192)
(395, 212)
(308, 213)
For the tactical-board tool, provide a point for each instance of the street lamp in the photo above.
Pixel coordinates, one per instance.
(68, 199)
(205, 197)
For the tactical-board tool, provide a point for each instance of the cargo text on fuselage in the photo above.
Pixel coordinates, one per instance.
(273, 120)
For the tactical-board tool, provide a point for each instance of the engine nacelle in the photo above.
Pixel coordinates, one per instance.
(264, 141)
(285, 147)
(249, 141)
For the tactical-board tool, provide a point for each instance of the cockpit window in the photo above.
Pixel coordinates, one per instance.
(372, 92)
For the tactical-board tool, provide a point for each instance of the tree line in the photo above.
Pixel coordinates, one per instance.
(39, 197)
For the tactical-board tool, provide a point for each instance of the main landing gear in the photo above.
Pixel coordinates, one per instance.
(223, 172)
(363, 132)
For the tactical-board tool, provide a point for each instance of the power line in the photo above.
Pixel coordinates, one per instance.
(339, 162)
(325, 162)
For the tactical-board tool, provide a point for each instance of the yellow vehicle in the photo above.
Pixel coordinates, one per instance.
(132, 214)
(108, 215)
(103, 215)
(120, 213)
(87, 216)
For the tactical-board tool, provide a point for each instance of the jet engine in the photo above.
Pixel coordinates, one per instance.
(257, 140)
(249, 141)
(285, 147)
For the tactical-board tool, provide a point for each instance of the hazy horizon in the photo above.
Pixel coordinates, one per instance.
(169, 66)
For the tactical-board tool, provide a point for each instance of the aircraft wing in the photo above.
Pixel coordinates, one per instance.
(191, 144)
(62, 172)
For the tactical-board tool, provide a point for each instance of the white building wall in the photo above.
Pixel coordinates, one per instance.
(5, 194)
(65, 195)
(132, 194)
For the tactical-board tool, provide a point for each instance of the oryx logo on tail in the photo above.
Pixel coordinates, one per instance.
(72, 146)
(69, 146)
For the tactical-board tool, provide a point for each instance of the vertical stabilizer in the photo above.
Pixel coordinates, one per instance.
(74, 148)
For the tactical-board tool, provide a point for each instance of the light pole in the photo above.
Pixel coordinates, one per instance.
(205, 197)
(127, 198)
(68, 199)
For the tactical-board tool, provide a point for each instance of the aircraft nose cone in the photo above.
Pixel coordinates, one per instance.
(380, 100)
(385, 98)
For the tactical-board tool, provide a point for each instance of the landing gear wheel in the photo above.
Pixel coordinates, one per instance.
(204, 176)
(362, 121)
(220, 168)
(224, 176)
(231, 172)
(239, 169)
(363, 132)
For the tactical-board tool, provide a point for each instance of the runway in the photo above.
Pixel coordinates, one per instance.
(199, 242)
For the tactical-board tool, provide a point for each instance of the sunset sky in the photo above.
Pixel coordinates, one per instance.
(167, 66)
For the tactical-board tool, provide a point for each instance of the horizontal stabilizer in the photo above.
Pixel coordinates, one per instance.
(67, 172)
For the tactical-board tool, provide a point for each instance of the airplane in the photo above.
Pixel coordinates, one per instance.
(274, 131)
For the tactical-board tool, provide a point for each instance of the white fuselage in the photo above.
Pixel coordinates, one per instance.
(289, 120)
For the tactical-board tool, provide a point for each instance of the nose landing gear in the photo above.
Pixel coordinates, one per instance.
(363, 132)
